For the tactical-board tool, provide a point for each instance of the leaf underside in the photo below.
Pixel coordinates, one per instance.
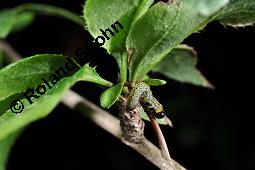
(180, 65)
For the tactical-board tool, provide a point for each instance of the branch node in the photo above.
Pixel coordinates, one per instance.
(131, 123)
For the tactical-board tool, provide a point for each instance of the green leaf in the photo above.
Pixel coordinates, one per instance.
(28, 73)
(90, 74)
(180, 65)
(5, 148)
(206, 7)
(7, 21)
(23, 20)
(18, 18)
(24, 74)
(41, 107)
(50, 10)
(145, 77)
(12, 21)
(102, 14)
(154, 82)
(110, 96)
(144, 6)
(157, 32)
(5, 104)
(237, 13)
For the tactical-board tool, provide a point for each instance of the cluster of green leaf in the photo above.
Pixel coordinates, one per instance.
(153, 30)
(28, 73)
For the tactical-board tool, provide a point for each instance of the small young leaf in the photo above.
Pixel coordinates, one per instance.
(5, 148)
(110, 96)
(90, 74)
(237, 13)
(180, 65)
(157, 32)
(154, 82)
(7, 21)
(207, 7)
(41, 107)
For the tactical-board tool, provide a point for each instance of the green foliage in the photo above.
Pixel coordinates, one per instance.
(28, 73)
(16, 19)
(237, 13)
(144, 6)
(104, 14)
(107, 13)
(154, 82)
(23, 20)
(5, 147)
(111, 95)
(157, 30)
(154, 31)
(206, 7)
(50, 10)
(153, 38)
(90, 75)
(180, 65)
(10, 122)
(7, 21)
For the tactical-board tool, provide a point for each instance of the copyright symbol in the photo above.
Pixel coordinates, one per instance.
(17, 106)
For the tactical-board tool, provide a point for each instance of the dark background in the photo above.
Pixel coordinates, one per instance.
(213, 129)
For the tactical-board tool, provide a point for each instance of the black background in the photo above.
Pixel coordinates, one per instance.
(213, 129)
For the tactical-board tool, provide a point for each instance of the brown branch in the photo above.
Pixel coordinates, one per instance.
(112, 125)
(132, 126)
